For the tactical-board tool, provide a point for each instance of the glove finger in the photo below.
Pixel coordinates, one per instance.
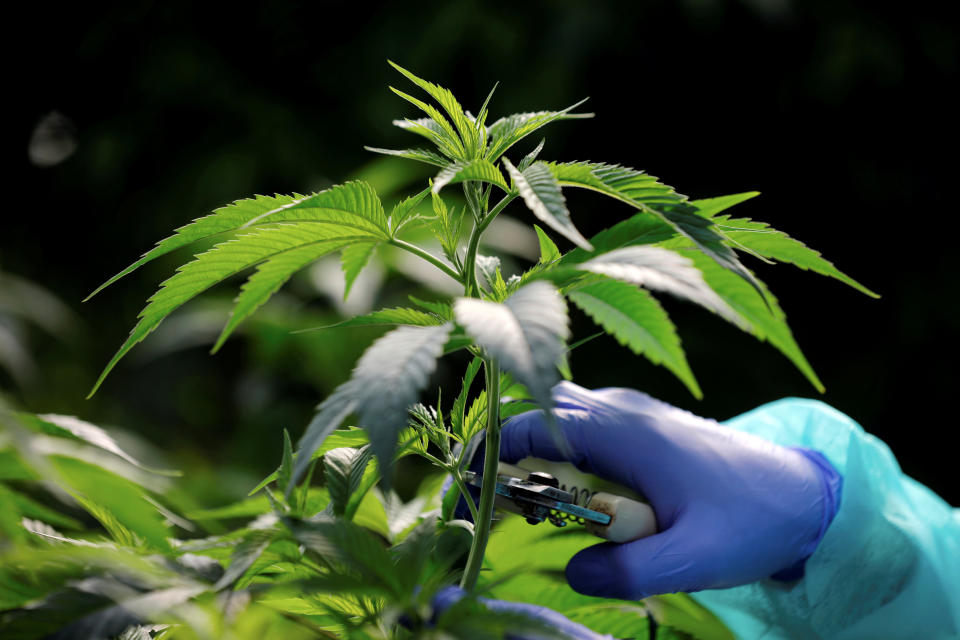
(528, 435)
(662, 563)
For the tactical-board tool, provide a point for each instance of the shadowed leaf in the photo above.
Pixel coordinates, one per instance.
(386, 380)
(526, 333)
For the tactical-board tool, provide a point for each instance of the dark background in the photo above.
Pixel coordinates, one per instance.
(840, 113)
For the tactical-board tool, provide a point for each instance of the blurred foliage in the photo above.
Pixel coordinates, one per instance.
(96, 544)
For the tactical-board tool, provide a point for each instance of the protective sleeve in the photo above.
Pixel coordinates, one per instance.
(887, 567)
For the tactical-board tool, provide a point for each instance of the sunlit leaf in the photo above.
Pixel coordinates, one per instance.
(760, 238)
(353, 259)
(541, 192)
(644, 192)
(450, 105)
(549, 252)
(405, 210)
(638, 322)
(480, 170)
(420, 155)
(767, 320)
(507, 131)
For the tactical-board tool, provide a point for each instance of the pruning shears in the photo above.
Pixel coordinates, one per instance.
(538, 495)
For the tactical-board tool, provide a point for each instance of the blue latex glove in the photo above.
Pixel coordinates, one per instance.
(731, 507)
(548, 617)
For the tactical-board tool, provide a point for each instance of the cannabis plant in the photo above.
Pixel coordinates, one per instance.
(314, 551)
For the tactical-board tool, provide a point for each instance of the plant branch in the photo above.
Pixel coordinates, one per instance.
(470, 282)
(458, 478)
(500, 206)
(491, 463)
(426, 255)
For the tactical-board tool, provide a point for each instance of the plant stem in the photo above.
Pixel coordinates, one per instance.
(500, 206)
(470, 283)
(429, 257)
(491, 462)
(458, 478)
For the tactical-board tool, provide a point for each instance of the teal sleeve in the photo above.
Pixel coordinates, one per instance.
(887, 567)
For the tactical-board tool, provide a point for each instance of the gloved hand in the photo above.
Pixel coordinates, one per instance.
(547, 617)
(731, 507)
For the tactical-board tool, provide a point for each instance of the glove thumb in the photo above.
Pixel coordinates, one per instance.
(662, 563)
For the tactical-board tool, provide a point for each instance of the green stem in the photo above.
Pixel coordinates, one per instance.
(491, 462)
(500, 206)
(429, 257)
(458, 478)
(470, 283)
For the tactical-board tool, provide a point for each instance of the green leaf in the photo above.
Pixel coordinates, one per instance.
(542, 195)
(487, 268)
(248, 508)
(475, 419)
(439, 308)
(549, 253)
(627, 185)
(343, 470)
(662, 270)
(223, 219)
(321, 223)
(344, 543)
(479, 169)
(709, 241)
(405, 210)
(82, 431)
(353, 259)
(135, 632)
(767, 320)
(526, 333)
(458, 412)
(760, 238)
(529, 159)
(286, 463)
(386, 380)
(638, 322)
(710, 207)
(450, 105)
(420, 155)
(349, 437)
(639, 229)
(618, 620)
(114, 501)
(351, 204)
(24, 505)
(349, 200)
(482, 116)
(271, 275)
(390, 316)
(647, 194)
(506, 132)
(244, 555)
(437, 129)
(228, 258)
